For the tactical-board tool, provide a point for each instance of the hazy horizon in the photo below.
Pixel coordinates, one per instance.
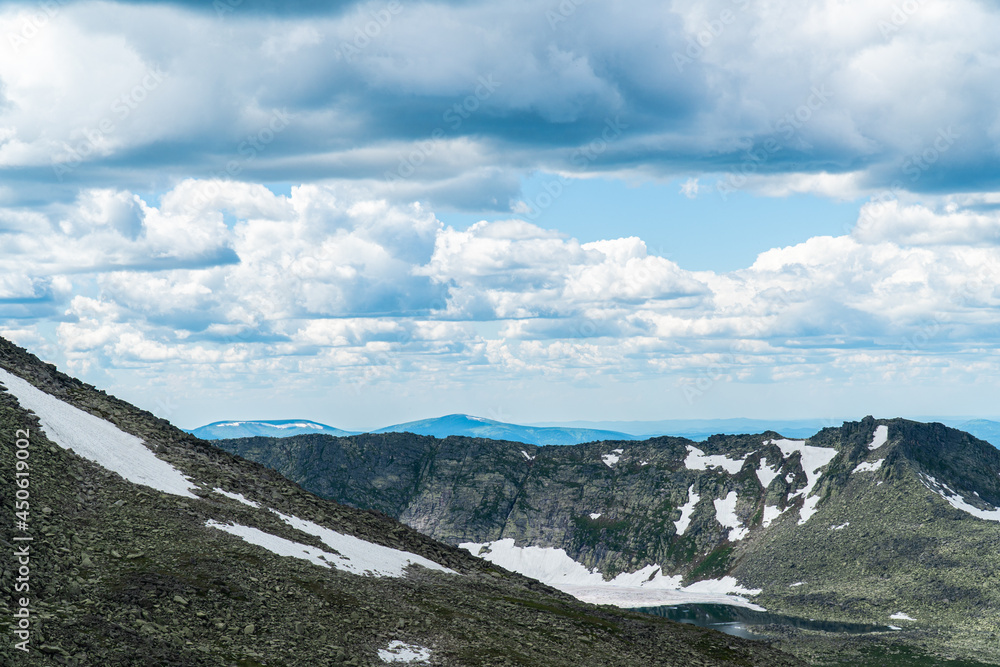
(381, 211)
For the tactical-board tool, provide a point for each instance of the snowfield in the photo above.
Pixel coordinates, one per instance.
(771, 512)
(868, 467)
(725, 514)
(360, 556)
(767, 474)
(813, 458)
(687, 509)
(611, 459)
(238, 497)
(352, 555)
(880, 437)
(698, 460)
(98, 440)
(957, 501)
(397, 651)
(647, 587)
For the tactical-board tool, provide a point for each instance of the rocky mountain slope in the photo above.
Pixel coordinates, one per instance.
(885, 522)
(142, 545)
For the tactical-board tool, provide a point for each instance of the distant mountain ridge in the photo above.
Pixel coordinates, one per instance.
(280, 428)
(441, 427)
(479, 427)
(564, 433)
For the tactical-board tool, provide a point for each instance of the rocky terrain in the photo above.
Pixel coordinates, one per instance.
(184, 567)
(884, 522)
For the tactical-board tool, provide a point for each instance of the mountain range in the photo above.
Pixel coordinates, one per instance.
(564, 433)
(892, 525)
(135, 543)
(442, 427)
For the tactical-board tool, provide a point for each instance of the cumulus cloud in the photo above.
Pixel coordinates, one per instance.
(834, 98)
(329, 279)
(920, 225)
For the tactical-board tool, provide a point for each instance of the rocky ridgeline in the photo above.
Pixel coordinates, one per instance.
(860, 523)
(123, 574)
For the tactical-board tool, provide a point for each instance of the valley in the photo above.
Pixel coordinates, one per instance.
(876, 522)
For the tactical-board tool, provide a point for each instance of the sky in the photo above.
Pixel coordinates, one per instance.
(369, 213)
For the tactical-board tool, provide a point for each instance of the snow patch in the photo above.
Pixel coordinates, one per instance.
(527, 455)
(868, 467)
(397, 651)
(895, 627)
(900, 616)
(687, 509)
(771, 512)
(841, 526)
(277, 545)
(698, 460)
(880, 437)
(595, 516)
(766, 474)
(611, 459)
(813, 459)
(647, 587)
(361, 556)
(797, 583)
(957, 501)
(239, 497)
(98, 440)
(725, 513)
(354, 555)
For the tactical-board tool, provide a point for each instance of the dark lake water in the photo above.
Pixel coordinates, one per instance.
(748, 623)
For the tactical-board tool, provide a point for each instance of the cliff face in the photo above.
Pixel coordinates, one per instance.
(860, 522)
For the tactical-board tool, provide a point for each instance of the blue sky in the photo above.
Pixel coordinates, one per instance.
(367, 213)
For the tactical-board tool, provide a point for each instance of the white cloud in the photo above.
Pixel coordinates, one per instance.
(920, 225)
(179, 94)
(335, 282)
(689, 188)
